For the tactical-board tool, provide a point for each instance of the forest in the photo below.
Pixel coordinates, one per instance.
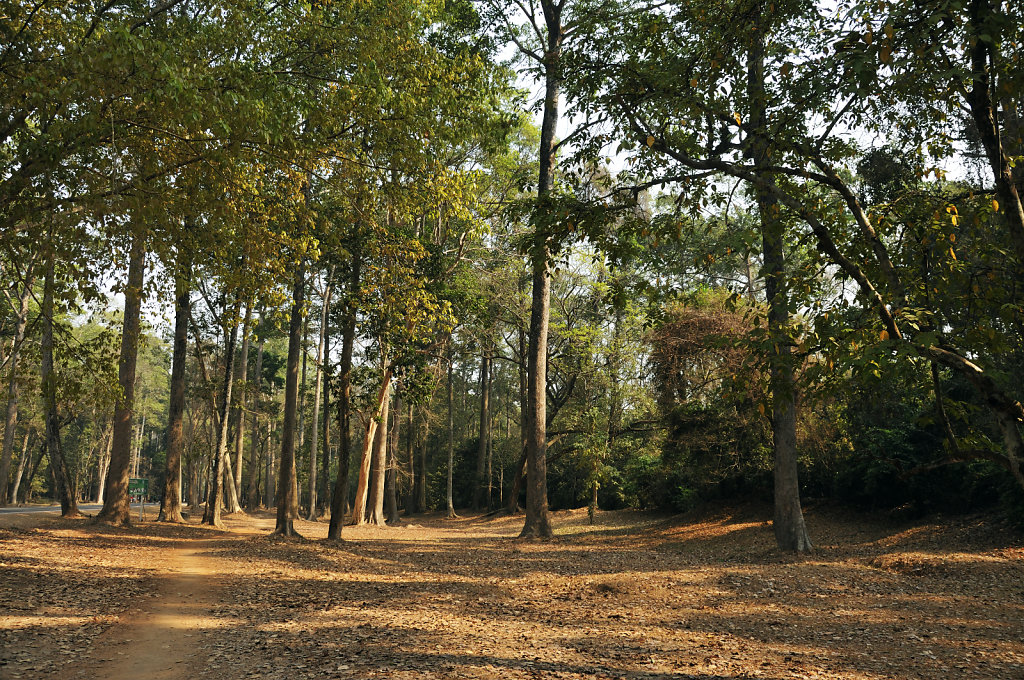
(518, 339)
(357, 261)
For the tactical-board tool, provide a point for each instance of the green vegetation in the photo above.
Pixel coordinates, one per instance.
(319, 257)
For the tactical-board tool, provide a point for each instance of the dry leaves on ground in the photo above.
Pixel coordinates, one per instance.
(633, 597)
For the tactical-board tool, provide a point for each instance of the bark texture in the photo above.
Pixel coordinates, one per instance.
(790, 530)
(58, 467)
(170, 505)
(339, 498)
(221, 476)
(538, 521)
(11, 417)
(286, 502)
(115, 504)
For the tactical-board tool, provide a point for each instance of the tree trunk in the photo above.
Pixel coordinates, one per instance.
(31, 474)
(375, 502)
(251, 493)
(170, 505)
(270, 463)
(48, 384)
(410, 446)
(286, 501)
(315, 431)
(243, 376)
(11, 418)
(220, 467)
(339, 498)
(359, 506)
(22, 464)
(790, 530)
(449, 493)
(538, 522)
(421, 473)
(231, 496)
(480, 488)
(391, 473)
(115, 504)
(983, 52)
(519, 478)
(104, 467)
(323, 478)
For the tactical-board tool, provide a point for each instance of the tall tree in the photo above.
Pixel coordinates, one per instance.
(115, 503)
(11, 416)
(314, 428)
(286, 487)
(170, 504)
(58, 466)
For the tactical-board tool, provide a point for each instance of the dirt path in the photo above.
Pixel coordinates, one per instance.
(160, 643)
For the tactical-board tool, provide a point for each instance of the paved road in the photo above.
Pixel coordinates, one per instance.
(89, 507)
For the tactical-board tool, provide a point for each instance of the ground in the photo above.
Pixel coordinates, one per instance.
(635, 596)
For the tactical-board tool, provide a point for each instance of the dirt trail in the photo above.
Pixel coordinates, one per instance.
(172, 635)
(160, 643)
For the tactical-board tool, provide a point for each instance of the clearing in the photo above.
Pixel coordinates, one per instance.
(636, 596)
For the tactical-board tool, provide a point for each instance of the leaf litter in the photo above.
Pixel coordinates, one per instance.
(635, 596)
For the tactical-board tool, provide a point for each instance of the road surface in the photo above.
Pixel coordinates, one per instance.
(88, 507)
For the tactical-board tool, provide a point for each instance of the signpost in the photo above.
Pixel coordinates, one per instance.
(139, 487)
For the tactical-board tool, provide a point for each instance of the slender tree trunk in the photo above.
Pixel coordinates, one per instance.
(58, 467)
(31, 474)
(315, 432)
(11, 418)
(410, 440)
(790, 530)
(421, 473)
(22, 464)
(270, 459)
(300, 450)
(538, 522)
(254, 460)
(983, 53)
(170, 505)
(339, 498)
(512, 506)
(323, 478)
(104, 467)
(286, 501)
(375, 503)
(243, 375)
(391, 473)
(220, 467)
(449, 492)
(482, 480)
(115, 504)
(360, 505)
(232, 502)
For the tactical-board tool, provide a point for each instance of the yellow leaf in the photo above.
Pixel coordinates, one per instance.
(869, 37)
(888, 31)
(786, 68)
(952, 238)
(884, 335)
(995, 205)
(650, 141)
(739, 121)
(952, 254)
(694, 82)
(760, 409)
(885, 55)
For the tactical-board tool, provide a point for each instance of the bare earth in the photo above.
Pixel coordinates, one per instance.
(636, 596)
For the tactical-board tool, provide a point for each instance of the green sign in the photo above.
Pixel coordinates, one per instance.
(138, 485)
